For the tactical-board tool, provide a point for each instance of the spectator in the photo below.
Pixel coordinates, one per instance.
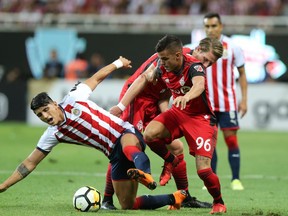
(76, 69)
(95, 64)
(53, 67)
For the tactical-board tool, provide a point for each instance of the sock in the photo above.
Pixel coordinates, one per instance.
(109, 190)
(159, 147)
(211, 181)
(233, 155)
(140, 159)
(180, 174)
(153, 202)
(214, 161)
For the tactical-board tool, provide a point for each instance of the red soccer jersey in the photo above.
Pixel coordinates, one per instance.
(221, 77)
(181, 83)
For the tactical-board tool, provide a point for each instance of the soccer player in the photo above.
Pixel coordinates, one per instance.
(146, 106)
(222, 93)
(191, 114)
(78, 120)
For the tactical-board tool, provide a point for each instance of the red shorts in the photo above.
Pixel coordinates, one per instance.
(140, 112)
(199, 132)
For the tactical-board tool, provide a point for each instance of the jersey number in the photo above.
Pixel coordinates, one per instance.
(200, 142)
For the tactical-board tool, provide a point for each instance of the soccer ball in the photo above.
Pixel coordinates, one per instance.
(87, 199)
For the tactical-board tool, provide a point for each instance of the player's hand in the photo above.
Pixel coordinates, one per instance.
(126, 62)
(2, 188)
(115, 110)
(181, 101)
(242, 108)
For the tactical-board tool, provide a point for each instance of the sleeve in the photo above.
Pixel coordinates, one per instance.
(80, 91)
(239, 56)
(48, 140)
(196, 69)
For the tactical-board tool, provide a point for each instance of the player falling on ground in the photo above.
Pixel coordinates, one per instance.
(78, 120)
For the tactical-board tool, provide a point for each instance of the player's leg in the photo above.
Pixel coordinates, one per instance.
(179, 174)
(107, 202)
(228, 122)
(157, 135)
(231, 141)
(202, 141)
(133, 148)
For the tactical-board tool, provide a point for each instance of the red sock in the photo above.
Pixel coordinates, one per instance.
(109, 190)
(211, 181)
(180, 174)
(232, 142)
(129, 151)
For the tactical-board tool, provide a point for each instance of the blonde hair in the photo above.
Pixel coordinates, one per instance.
(208, 44)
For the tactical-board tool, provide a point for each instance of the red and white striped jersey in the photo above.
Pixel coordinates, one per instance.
(85, 124)
(221, 77)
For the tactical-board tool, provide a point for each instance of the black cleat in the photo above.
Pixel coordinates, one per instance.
(108, 206)
(192, 202)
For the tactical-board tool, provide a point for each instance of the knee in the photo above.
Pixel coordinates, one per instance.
(148, 135)
(126, 204)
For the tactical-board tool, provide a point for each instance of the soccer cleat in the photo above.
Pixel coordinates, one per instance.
(192, 202)
(218, 208)
(142, 177)
(167, 171)
(108, 206)
(179, 196)
(236, 185)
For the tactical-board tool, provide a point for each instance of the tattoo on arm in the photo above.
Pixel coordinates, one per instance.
(22, 170)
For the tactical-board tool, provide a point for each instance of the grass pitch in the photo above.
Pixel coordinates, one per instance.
(50, 188)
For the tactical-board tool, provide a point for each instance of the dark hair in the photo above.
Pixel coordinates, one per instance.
(40, 100)
(170, 42)
(212, 15)
(213, 44)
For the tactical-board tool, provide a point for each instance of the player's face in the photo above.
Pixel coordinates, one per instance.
(213, 28)
(171, 61)
(50, 114)
(206, 58)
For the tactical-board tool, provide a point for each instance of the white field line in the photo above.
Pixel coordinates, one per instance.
(72, 173)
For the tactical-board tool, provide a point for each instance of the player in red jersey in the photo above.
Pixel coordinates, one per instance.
(191, 115)
(143, 109)
(221, 82)
(78, 120)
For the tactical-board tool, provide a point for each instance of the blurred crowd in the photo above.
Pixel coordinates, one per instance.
(174, 7)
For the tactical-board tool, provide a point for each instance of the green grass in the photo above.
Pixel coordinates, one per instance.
(49, 189)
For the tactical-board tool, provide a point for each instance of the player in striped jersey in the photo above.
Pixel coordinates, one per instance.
(221, 82)
(78, 120)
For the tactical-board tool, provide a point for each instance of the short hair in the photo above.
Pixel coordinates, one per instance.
(40, 100)
(213, 15)
(170, 42)
(208, 44)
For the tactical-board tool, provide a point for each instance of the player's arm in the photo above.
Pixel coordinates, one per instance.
(164, 100)
(100, 75)
(242, 107)
(197, 75)
(136, 88)
(24, 169)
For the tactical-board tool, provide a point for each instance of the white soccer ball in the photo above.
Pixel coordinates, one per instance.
(87, 199)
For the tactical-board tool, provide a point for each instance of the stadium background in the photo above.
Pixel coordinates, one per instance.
(131, 29)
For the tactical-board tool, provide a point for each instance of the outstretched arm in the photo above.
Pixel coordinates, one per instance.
(136, 88)
(24, 169)
(100, 75)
